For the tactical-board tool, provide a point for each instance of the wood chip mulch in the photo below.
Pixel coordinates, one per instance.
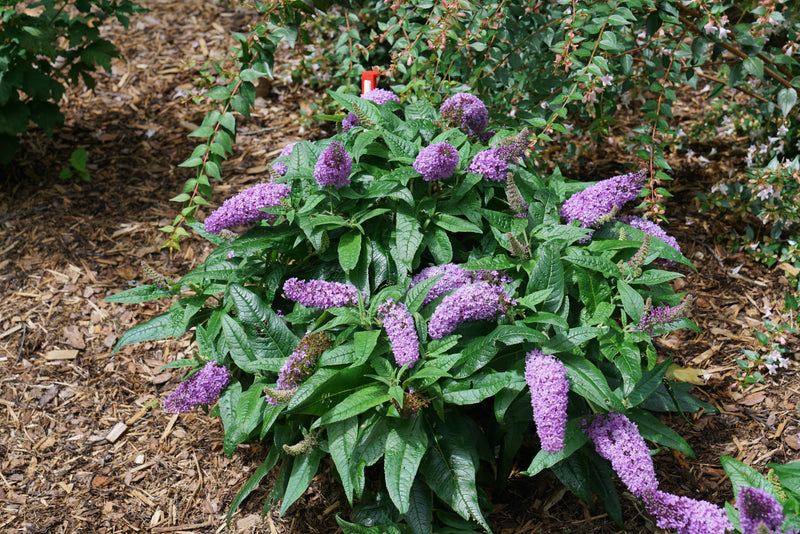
(85, 445)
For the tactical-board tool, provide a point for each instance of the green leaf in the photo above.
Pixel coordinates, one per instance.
(406, 444)
(574, 438)
(276, 341)
(566, 341)
(654, 430)
(787, 98)
(248, 410)
(548, 273)
(438, 243)
(408, 237)
(349, 250)
(220, 92)
(239, 345)
(596, 263)
(648, 384)
(342, 436)
(475, 390)
(160, 327)
(303, 471)
(588, 381)
(632, 301)
(654, 276)
(400, 147)
(253, 482)
(629, 363)
(365, 342)
(482, 350)
(420, 508)
(755, 67)
(139, 294)
(357, 402)
(455, 224)
(742, 475)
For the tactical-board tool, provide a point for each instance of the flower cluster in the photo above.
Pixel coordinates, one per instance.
(246, 207)
(399, 325)
(302, 361)
(758, 507)
(320, 293)
(493, 163)
(279, 166)
(203, 387)
(437, 161)
(472, 302)
(453, 277)
(655, 318)
(600, 201)
(617, 439)
(465, 111)
(515, 199)
(546, 377)
(333, 166)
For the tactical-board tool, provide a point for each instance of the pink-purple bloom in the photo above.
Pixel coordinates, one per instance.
(649, 227)
(333, 166)
(246, 207)
(602, 200)
(756, 507)
(203, 387)
(617, 439)
(472, 302)
(350, 122)
(490, 164)
(465, 111)
(320, 293)
(279, 166)
(402, 332)
(453, 277)
(380, 96)
(546, 377)
(437, 161)
(656, 318)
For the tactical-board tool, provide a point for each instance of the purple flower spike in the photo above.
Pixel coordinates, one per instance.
(350, 122)
(601, 200)
(654, 319)
(437, 161)
(547, 379)
(380, 96)
(687, 516)
(616, 438)
(320, 294)
(454, 277)
(280, 167)
(472, 302)
(465, 111)
(490, 164)
(402, 332)
(203, 387)
(246, 207)
(757, 507)
(649, 227)
(333, 166)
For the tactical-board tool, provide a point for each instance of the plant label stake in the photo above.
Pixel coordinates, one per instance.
(369, 79)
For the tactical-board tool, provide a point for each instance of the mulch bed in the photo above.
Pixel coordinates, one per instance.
(85, 445)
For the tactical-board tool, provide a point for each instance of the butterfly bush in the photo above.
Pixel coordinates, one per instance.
(546, 377)
(320, 293)
(758, 507)
(378, 96)
(395, 312)
(597, 203)
(246, 207)
(402, 332)
(436, 161)
(203, 387)
(465, 111)
(334, 166)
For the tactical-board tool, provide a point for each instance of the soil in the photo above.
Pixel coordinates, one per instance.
(85, 445)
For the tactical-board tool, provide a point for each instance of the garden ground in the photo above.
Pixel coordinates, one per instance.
(85, 445)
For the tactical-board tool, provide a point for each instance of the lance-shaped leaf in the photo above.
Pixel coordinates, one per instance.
(405, 446)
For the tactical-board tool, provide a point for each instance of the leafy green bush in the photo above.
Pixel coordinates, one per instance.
(404, 286)
(43, 46)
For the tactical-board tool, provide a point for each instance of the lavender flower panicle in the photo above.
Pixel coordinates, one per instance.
(454, 276)
(472, 302)
(512, 148)
(437, 161)
(380, 96)
(279, 166)
(757, 507)
(302, 361)
(490, 164)
(465, 111)
(246, 207)
(616, 438)
(546, 377)
(320, 293)
(659, 317)
(333, 166)
(685, 515)
(402, 332)
(203, 387)
(597, 202)
(350, 122)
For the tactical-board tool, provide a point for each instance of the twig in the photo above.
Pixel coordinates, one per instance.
(21, 343)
